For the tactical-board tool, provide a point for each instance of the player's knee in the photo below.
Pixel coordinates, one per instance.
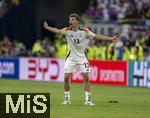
(86, 80)
(66, 80)
(85, 76)
(67, 76)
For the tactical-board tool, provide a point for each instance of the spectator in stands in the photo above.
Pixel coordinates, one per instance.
(104, 51)
(37, 49)
(97, 50)
(112, 54)
(48, 48)
(145, 10)
(99, 12)
(90, 12)
(112, 13)
(61, 49)
(118, 9)
(6, 47)
(129, 52)
(131, 11)
(139, 52)
(90, 50)
(19, 49)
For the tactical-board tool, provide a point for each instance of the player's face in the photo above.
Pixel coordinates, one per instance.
(73, 22)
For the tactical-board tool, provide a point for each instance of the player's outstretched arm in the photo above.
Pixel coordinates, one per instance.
(49, 28)
(103, 37)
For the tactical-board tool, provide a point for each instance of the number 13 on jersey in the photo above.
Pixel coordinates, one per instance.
(76, 41)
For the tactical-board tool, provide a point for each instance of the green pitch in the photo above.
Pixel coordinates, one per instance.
(111, 102)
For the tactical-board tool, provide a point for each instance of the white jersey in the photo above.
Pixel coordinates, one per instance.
(77, 41)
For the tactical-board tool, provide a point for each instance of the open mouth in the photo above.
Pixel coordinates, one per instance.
(70, 24)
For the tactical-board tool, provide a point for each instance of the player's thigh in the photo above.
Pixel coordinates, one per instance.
(70, 66)
(84, 67)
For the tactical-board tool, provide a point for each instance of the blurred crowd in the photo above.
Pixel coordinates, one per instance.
(132, 46)
(9, 48)
(136, 48)
(106, 10)
(127, 50)
(41, 48)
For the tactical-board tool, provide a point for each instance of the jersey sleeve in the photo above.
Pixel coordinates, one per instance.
(89, 33)
(64, 31)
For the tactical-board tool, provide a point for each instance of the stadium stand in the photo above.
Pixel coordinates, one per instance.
(133, 45)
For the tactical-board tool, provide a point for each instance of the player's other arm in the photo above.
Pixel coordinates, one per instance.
(51, 29)
(103, 37)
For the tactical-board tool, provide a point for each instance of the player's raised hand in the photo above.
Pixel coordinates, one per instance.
(116, 37)
(45, 25)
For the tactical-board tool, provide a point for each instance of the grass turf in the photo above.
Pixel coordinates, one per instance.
(131, 102)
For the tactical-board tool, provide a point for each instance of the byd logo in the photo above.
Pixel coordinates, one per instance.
(43, 66)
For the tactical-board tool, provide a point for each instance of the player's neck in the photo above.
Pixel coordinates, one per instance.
(75, 28)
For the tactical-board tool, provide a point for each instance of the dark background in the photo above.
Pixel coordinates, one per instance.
(24, 22)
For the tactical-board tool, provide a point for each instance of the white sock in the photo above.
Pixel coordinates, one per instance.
(87, 96)
(67, 95)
